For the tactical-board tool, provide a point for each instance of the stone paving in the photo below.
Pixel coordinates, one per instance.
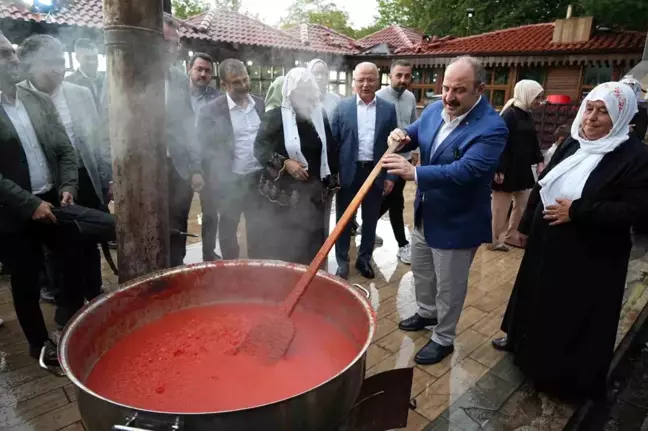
(476, 388)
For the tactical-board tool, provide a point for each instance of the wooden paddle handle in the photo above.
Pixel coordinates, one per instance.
(322, 254)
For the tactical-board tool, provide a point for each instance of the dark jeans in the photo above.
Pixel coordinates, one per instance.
(370, 215)
(22, 253)
(395, 204)
(241, 197)
(180, 196)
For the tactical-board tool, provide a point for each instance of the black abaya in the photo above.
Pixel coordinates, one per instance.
(563, 314)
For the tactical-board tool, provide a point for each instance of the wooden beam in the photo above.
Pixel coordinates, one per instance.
(134, 46)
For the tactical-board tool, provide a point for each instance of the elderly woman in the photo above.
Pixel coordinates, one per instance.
(514, 178)
(561, 320)
(296, 147)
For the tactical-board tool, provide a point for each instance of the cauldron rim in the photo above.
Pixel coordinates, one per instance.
(156, 275)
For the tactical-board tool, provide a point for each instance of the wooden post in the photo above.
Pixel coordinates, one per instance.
(134, 47)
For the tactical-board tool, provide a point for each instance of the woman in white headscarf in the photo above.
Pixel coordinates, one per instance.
(299, 153)
(561, 321)
(514, 177)
(320, 71)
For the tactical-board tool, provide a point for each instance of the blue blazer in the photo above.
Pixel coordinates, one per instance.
(454, 184)
(345, 130)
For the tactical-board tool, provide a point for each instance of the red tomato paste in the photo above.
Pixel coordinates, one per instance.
(181, 363)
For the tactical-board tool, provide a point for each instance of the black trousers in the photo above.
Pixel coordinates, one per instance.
(241, 197)
(395, 204)
(84, 254)
(209, 228)
(180, 196)
(22, 253)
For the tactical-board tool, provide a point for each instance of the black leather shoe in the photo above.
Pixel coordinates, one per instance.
(343, 272)
(416, 323)
(365, 269)
(502, 344)
(433, 353)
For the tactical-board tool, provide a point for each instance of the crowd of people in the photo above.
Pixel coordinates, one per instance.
(280, 161)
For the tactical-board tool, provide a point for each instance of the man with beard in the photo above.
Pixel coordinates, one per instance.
(38, 171)
(43, 60)
(404, 100)
(461, 139)
(201, 71)
(183, 152)
(227, 129)
(87, 75)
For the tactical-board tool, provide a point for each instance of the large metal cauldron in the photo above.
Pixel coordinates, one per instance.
(96, 328)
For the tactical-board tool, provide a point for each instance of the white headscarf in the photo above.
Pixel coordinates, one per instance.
(311, 64)
(524, 94)
(567, 179)
(296, 76)
(633, 83)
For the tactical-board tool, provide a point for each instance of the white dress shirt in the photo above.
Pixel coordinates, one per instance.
(66, 116)
(40, 176)
(245, 122)
(366, 129)
(446, 129)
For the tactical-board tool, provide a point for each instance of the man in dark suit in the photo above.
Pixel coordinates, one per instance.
(183, 152)
(227, 129)
(361, 125)
(87, 75)
(38, 170)
(201, 71)
(461, 139)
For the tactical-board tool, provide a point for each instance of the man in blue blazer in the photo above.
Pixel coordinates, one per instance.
(361, 125)
(460, 138)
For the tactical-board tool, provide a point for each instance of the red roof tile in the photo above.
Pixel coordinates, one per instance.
(324, 39)
(395, 36)
(83, 13)
(530, 39)
(226, 26)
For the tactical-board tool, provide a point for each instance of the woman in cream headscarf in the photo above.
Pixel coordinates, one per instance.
(273, 98)
(320, 71)
(297, 149)
(514, 178)
(561, 321)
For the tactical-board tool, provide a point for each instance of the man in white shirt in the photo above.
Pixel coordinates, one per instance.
(43, 60)
(38, 171)
(227, 129)
(461, 139)
(361, 125)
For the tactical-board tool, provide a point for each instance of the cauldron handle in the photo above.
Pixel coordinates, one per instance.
(132, 420)
(366, 292)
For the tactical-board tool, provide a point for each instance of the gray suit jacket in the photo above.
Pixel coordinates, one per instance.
(17, 203)
(94, 152)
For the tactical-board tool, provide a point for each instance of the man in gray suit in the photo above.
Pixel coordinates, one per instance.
(183, 151)
(38, 171)
(43, 60)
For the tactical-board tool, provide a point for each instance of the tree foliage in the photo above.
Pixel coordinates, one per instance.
(184, 9)
(440, 17)
(322, 12)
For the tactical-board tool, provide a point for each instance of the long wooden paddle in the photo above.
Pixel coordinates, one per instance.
(270, 338)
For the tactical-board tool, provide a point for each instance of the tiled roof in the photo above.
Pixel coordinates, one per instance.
(395, 36)
(324, 39)
(83, 13)
(226, 26)
(529, 39)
